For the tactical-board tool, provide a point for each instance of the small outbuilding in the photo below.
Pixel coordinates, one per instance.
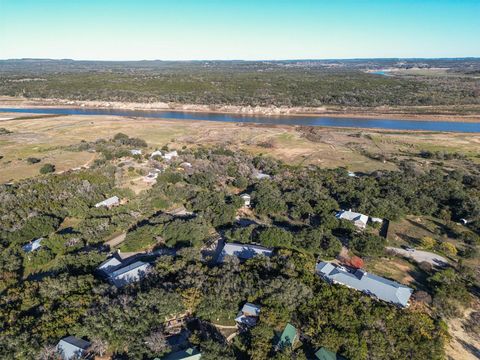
(246, 200)
(136, 152)
(71, 348)
(109, 203)
(249, 314)
(325, 354)
(187, 354)
(288, 337)
(32, 245)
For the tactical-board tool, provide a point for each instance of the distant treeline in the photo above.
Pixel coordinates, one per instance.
(283, 83)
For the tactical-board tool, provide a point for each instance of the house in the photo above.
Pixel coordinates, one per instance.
(136, 152)
(129, 274)
(110, 265)
(359, 220)
(121, 271)
(324, 354)
(243, 251)
(288, 337)
(156, 153)
(187, 354)
(249, 314)
(370, 284)
(260, 176)
(151, 177)
(72, 347)
(108, 203)
(170, 155)
(32, 245)
(246, 200)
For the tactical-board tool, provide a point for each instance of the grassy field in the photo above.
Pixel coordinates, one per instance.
(357, 150)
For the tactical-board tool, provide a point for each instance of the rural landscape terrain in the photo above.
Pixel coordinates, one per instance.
(128, 237)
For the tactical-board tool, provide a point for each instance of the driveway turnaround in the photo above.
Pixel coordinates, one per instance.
(421, 256)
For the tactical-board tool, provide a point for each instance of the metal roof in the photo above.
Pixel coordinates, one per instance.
(129, 274)
(324, 354)
(33, 245)
(288, 336)
(352, 216)
(108, 202)
(72, 347)
(379, 287)
(243, 251)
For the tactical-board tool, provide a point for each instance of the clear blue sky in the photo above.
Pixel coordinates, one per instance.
(241, 29)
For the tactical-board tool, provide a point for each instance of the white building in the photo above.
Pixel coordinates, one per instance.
(156, 153)
(32, 245)
(246, 199)
(71, 348)
(136, 152)
(359, 220)
(243, 251)
(129, 274)
(170, 155)
(108, 203)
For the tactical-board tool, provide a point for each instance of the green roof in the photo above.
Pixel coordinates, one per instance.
(324, 354)
(288, 337)
(187, 354)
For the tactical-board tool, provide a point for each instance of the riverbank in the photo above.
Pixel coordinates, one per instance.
(416, 113)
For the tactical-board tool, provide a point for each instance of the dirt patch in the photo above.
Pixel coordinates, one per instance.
(464, 345)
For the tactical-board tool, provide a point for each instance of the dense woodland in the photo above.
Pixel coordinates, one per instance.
(281, 83)
(54, 292)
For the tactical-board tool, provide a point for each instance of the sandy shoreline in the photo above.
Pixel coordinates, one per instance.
(369, 113)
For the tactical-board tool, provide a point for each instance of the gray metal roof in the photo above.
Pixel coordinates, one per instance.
(108, 202)
(128, 274)
(72, 347)
(379, 287)
(33, 245)
(243, 251)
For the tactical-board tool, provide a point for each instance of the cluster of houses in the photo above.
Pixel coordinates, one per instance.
(164, 155)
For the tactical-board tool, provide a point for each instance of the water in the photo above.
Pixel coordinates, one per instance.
(364, 123)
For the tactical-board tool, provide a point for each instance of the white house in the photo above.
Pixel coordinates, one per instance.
(170, 155)
(359, 220)
(136, 152)
(246, 199)
(151, 177)
(156, 153)
(32, 245)
(72, 347)
(108, 203)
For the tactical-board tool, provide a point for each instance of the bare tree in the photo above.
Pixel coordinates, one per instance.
(98, 347)
(157, 342)
(48, 352)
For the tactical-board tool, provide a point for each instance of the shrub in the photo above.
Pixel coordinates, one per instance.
(47, 168)
(33, 160)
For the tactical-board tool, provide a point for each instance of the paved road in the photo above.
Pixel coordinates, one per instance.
(420, 256)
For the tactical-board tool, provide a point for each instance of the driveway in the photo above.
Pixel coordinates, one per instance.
(421, 256)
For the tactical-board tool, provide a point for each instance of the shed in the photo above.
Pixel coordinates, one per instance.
(33, 245)
(108, 203)
(288, 337)
(72, 347)
(324, 354)
(187, 354)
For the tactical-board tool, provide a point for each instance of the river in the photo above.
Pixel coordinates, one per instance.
(448, 126)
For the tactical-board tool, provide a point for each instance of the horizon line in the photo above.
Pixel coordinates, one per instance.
(247, 60)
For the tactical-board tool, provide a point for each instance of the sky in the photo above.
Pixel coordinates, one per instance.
(238, 29)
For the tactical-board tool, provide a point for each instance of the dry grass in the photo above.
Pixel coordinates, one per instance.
(329, 147)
